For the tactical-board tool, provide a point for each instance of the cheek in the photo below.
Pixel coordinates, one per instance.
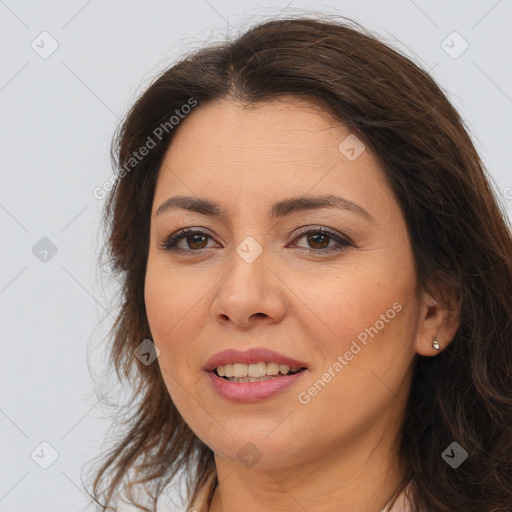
(159, 306)
(352, 305)
(169, 301)
(368, 338)
(174, 313)
(166, 313)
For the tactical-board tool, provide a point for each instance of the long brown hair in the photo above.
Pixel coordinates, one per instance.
(460, 239)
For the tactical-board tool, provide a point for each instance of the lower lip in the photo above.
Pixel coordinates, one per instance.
(252, 391)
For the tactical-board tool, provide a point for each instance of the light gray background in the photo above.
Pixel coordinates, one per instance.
(57, 118)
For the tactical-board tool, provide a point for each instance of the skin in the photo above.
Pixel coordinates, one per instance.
(341, 447)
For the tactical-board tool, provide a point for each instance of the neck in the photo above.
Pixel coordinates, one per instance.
(362, 477)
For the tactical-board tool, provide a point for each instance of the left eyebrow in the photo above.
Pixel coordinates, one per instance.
(296, 204)
(279, 209)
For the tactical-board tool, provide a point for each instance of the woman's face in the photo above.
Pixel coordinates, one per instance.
(343, 302)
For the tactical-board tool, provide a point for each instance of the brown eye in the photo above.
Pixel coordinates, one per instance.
(186, 240)
(319, 239)
(194, 241)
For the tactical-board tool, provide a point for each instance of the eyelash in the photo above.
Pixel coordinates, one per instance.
(170, 243)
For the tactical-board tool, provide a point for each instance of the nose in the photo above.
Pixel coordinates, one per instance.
(249, 294)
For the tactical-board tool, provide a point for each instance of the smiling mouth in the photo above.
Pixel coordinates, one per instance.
(227, 372)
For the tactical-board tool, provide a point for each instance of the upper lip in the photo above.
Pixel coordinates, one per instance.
(253, 355)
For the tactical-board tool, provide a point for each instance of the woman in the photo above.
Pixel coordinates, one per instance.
(308, 241)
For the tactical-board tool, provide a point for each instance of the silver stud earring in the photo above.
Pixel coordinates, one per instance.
(435, 344)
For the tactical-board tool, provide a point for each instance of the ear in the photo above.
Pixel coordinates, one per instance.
(438, 322)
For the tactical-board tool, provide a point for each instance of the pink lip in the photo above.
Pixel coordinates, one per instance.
(251, 356)
(252, 391)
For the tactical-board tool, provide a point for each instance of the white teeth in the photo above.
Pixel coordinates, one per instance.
(253, 370)
(272, 368)
(226, 369)
(257, 370)
(240, 370)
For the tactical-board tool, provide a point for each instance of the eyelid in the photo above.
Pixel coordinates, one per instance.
(333, 233)
(169, 244)
(181, 233)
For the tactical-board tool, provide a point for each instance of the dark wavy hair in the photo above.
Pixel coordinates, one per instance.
(458, 229)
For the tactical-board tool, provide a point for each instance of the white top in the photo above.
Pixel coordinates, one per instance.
(402, 503)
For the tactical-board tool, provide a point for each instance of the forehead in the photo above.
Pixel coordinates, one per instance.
(283, 147)
(287, 121)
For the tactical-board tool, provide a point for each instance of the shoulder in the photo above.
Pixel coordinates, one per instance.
(199, 502)
(404, 501)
